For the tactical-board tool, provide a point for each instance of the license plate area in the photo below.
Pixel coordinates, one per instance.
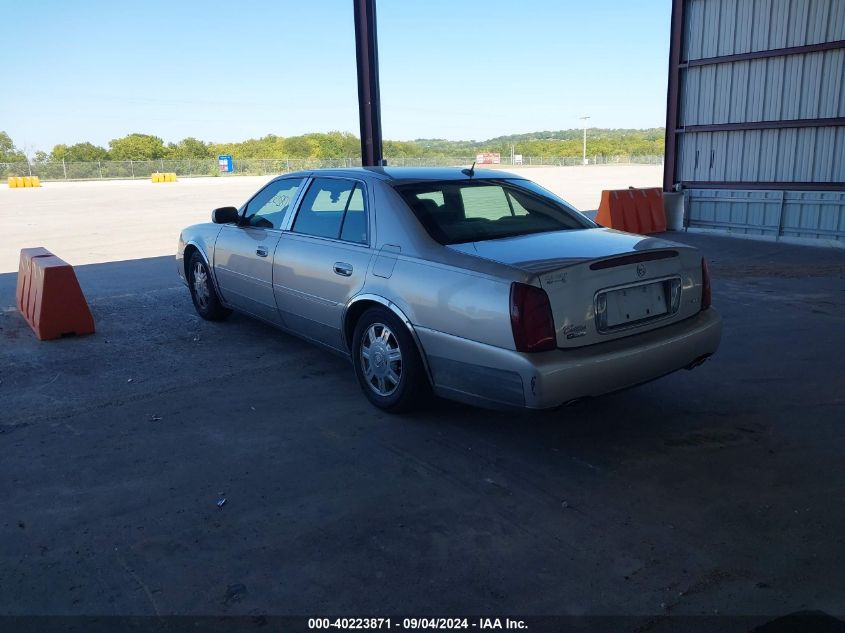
(636, 304)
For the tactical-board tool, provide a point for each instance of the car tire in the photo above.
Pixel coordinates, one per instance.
(387, 362)
(203, 292)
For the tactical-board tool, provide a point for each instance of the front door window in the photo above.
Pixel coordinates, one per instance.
(267, 209)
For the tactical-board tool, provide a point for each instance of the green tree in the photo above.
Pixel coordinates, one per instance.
(301, 146)
(334, 144)
(188, 148)
(137, 147)
(216, 149)
(80, 152)
(398, 149)
(551, 144)
(8, 152)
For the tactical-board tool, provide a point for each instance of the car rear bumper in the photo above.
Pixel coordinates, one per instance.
(490, 376)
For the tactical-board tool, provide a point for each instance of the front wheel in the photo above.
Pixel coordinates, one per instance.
(387, 363)
(203, 294)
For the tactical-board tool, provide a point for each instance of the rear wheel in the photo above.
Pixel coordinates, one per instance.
(387, 362)
(204, 295)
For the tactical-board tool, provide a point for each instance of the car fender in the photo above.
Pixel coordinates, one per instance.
(387, 303)
(201, 246)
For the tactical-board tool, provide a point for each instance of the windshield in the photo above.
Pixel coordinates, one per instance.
(474, 210)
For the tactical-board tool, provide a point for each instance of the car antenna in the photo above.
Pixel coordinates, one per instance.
(469, 172)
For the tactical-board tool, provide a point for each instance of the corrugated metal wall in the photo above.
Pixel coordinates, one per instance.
(807, 86)
(777, 89)
(784, 155)
(794, 214)
(727, 27)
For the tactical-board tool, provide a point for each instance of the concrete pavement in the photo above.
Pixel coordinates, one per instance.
(106, 221)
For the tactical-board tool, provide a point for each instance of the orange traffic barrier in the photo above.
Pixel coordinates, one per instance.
(632, 210)
(642, 211)
(49, 297)
(658, 208)
(609, 213)
(25, 274)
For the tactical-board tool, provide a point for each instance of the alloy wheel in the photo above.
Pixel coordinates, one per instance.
(201, 290)
(381, 359)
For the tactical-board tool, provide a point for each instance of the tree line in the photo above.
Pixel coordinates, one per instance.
(338, 145)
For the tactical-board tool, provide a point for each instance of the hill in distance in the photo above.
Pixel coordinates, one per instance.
(604, 141)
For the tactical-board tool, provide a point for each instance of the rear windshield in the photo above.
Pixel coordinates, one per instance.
(474, 210)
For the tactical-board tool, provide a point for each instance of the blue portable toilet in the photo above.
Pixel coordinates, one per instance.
(225, 163)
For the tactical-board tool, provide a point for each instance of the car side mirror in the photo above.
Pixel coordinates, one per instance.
(224, 215)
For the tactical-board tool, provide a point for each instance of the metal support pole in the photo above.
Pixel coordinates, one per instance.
(670, 168)
(64, 168)
(369, 102)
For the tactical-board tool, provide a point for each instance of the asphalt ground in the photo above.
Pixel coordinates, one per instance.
(715, 491)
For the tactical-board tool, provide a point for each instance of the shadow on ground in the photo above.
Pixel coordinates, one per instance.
(717, 490)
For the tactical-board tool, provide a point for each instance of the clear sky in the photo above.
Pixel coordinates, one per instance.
(225, 71)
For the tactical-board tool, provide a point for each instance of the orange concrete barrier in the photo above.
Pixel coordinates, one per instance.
(642, 214)
(25, 274)
(656, 208)
(632, 210)
(610, 210)
(49, 297)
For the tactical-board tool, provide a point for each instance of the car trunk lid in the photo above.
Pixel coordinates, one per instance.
(602, 284)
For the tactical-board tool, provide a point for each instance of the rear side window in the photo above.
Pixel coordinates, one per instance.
(333, 208)
(354, 228)
(473, 210)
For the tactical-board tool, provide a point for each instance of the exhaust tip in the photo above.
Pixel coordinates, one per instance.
(698, 361)
(574, 401)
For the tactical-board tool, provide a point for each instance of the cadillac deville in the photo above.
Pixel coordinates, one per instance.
(478, 285)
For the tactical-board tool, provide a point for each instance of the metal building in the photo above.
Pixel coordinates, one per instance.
(755, 121)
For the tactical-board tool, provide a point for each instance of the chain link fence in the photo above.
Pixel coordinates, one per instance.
(187, 168)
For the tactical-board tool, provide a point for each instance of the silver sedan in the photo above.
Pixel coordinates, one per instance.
(477, 285)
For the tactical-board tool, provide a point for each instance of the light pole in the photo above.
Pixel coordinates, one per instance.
(584, 119)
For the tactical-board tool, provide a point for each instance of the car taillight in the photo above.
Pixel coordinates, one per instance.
(706, 292)
(531, 319)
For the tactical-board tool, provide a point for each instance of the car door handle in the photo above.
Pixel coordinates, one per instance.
(342, 268)
(261, 251)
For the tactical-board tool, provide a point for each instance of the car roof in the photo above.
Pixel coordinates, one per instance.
(406, 174)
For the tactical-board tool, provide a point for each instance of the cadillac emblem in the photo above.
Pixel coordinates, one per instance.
(574, 331)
